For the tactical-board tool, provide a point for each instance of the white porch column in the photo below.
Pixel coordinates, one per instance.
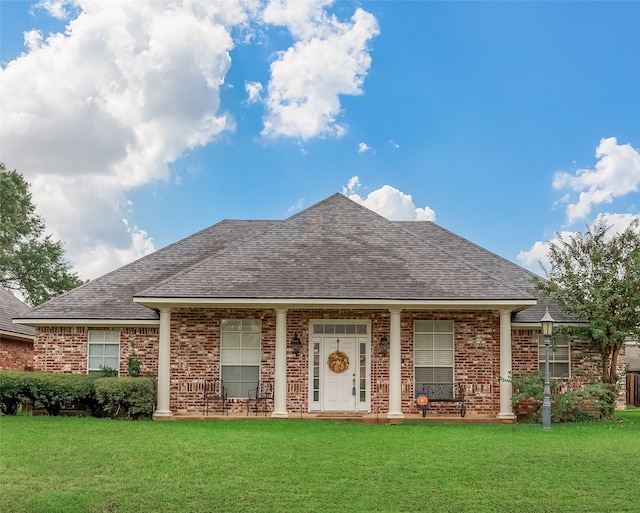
(164, 364)
(280, 381)
(395, 368)
(506, 411)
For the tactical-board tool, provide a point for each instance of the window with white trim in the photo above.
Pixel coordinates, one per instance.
(559, 357)
(103, 350)
(433, 352)
(240, 356)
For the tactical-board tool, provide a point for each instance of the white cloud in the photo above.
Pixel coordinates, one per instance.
(616, 174)
(537, 255)
(389, 202)
(105, 106)
(253, 89)
(362, 147)
(329, 58)
(56, 8)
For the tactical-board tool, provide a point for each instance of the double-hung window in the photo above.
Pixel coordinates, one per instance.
(240, 356)
(104, 350)
(433, 352)
(559, 357)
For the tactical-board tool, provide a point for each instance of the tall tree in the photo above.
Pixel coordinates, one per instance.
(596, 276)
(30, 261)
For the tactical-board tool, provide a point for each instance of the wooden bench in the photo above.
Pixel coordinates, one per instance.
(440, 393)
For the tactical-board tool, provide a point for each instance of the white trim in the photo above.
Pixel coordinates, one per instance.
(481, 304)
(320, 406)
(537, 326)
(505, 345)
(87, 322)
(102, 343)
(552, 358)
(395, 365)
(21, 336)
(433, 332)
(163, 387)
(280, 367)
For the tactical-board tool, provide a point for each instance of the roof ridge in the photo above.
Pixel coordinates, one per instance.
(273, 226)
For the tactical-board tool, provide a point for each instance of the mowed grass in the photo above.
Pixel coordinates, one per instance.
(58, 464)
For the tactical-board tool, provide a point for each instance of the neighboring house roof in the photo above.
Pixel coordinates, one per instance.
(10, 307)
(335, 249)
(632, 358)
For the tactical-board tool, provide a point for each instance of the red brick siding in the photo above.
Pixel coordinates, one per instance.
(476, 359)
(64, 348)
(195, 354)
(16, 354)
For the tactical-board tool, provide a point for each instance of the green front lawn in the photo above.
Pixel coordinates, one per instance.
(58, 464)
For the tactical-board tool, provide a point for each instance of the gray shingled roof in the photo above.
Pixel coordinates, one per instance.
(335, 249)
(10, 307)
(110, 296)
(495, 265)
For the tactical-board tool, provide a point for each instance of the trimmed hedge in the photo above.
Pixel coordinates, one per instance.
(11, 391)
(130, 397)
(126, 397)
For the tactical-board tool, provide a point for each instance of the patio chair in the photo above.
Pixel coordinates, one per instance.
(214, 391)
(260, 396)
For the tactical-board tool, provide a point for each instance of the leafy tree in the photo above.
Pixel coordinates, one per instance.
(30, 262)
(596, 277)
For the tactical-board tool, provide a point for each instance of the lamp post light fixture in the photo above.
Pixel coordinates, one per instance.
(384, 345)
(296, 345)
(547, 329)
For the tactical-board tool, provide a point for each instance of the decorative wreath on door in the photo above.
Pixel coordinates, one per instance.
(338, 361)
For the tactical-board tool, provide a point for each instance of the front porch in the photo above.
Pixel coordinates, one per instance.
(242, 347)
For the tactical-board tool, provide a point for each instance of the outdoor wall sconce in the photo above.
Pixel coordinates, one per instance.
(296, 345)
(384, 345)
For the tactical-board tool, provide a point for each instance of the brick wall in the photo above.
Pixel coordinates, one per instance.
(195, 354)
(64, 348)
(476, 359)
(16, 354)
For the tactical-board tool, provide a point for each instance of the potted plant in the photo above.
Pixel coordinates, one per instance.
(527, 396)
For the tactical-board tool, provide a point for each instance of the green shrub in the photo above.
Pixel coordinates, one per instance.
(11, 391)
(593, 402)
(602, 397)
(107, 372)
(126, 397)
(530, 385)
(53, 391)
(133, 367)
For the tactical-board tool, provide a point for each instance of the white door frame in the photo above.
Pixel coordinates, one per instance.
(318, 367)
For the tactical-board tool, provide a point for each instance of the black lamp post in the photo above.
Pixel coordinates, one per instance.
(547, 329)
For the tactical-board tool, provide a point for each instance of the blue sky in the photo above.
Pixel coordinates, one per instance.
(139, 123)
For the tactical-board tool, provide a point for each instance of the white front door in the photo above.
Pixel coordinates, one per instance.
(333, 388)
(340, 386)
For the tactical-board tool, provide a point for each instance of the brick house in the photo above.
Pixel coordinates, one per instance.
(16, 341)
(408, 302)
